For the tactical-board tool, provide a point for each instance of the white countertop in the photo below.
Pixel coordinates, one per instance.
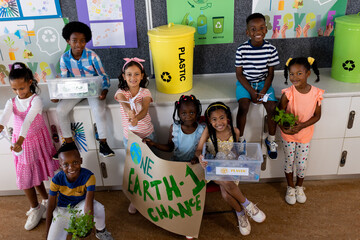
(208, 88)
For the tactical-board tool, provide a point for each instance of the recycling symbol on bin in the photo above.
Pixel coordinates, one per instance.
(165, 76)
(349, 65)
(218, 25)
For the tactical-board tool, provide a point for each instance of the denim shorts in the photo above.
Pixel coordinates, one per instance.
(241, 92)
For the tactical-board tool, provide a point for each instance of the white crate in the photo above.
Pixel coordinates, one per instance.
(67, 88)
(234, 165)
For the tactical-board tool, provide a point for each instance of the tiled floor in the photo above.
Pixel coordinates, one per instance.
(331, 212)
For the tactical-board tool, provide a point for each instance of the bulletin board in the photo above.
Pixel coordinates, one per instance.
(38, 43)
(112, 22)
(29, 9)
(214, 58)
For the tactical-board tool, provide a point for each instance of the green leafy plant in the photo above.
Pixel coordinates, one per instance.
(80, 225)
(287, 120)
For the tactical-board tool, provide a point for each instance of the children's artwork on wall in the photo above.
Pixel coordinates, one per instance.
(104, 10)
(9, 9)
(108, 34)
(112, 22)
(213, 20)
(29, 9)
(33, 8)
(169, 194)
(79, 136)
(300, 18)
(37, 43)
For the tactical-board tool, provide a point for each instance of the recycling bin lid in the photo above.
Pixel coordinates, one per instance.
(353, 19)
(171, 31)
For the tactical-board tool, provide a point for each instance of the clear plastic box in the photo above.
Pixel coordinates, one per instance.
(82, 87)
(236, 162)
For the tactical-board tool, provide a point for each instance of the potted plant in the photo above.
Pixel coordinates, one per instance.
(80, 225)
(287, 120)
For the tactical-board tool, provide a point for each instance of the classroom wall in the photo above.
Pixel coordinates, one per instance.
(217, 58)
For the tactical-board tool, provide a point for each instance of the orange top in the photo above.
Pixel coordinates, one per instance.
(303, 106)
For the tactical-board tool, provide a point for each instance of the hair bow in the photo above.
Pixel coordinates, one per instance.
(288, 61)
(310, 60)
(17, 66)
(135, 59)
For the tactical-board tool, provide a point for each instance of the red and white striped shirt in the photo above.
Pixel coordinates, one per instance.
(144, 126)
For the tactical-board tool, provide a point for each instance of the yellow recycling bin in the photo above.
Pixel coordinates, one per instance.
(172, 48)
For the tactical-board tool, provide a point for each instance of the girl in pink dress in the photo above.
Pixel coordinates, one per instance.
(304, 101)
(31, 138)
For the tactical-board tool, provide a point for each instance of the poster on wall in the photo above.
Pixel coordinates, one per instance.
(37, 43)
(112, 22)
(299, 18)
(169, 194)
(212, 19)
(29, 9)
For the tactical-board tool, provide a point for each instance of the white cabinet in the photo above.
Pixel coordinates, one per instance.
(161, 118)
(4, 144)
(352, 162)
(91, 162)
(354, 131)
(274, 167)
(82, 127)
(7, 172)
(334, 117)
(113, 168)
(114, 127)
(324, 157)
(254, 121)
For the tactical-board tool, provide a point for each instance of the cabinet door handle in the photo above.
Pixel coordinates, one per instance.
(343, 158)
(103, 170)
(351, 119)
(263, 165)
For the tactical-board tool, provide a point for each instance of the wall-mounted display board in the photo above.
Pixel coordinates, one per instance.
(299, 18)
(212, 19)
(112, 22)
(37, 43)
(29, 9)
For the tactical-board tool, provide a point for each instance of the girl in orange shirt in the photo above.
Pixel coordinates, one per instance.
(304, 101)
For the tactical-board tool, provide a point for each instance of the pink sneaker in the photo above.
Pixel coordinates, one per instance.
(132, 209)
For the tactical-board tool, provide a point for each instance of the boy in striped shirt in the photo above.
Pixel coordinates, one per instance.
(74, 186)
(255, 61)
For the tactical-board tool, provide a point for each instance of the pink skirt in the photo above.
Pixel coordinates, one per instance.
(35, 164)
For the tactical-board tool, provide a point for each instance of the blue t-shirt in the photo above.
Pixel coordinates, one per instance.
(185, 144)
(72, 192)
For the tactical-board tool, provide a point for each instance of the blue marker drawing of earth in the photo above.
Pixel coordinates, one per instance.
(135, 152)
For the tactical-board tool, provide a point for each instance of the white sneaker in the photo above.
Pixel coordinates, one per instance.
(105, 235)
(244, 225)
(132, 209)
(189, 237)
(300, 195)
(34, 217)
(44, 202)
(290, 195)
(255, 213)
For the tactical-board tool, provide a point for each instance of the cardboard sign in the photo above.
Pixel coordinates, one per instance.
(169, 194)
